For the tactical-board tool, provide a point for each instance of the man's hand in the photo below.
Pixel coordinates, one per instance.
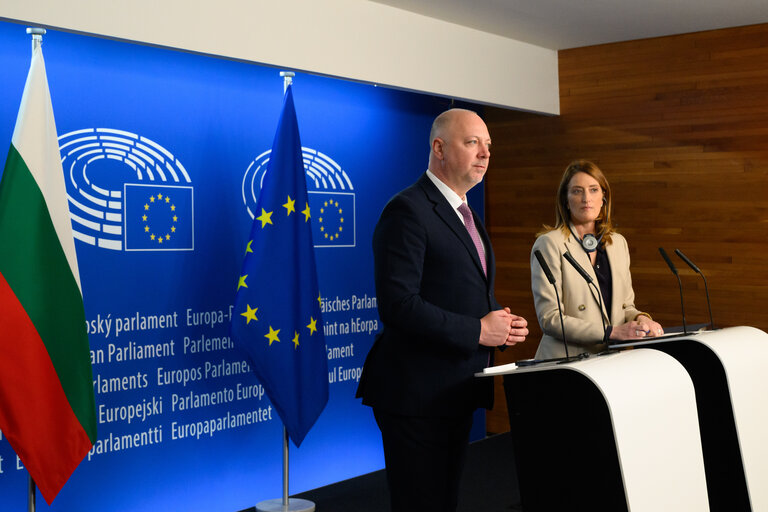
(501, 327)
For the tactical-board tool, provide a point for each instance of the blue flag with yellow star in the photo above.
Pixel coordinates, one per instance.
(277, 307)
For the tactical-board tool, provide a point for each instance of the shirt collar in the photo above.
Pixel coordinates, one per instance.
(452, 197)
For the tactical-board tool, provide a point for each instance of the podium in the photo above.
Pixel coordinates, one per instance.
(616, 432)
(728, 371)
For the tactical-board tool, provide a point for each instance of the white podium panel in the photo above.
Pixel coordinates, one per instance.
(744, 354)
(613, 432)
(729, 369)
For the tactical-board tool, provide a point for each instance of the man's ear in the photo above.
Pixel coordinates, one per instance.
(437, 147)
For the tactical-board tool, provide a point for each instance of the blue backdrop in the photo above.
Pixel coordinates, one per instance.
(182, 422)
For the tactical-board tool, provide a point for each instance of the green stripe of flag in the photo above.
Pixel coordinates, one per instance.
(34, 264)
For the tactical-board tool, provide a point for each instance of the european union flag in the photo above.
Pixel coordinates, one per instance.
(277, 308)
(158, 217)
(334, 225)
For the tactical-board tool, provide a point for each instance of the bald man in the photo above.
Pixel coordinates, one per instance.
(434, 273)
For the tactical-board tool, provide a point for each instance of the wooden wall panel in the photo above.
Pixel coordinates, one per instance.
(680, 127)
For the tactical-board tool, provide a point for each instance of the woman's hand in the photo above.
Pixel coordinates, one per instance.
(643, 327)
(652, 328)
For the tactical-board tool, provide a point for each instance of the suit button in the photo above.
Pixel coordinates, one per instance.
(582, 307)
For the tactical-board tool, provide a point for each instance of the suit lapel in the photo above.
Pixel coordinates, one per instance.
(445, 212)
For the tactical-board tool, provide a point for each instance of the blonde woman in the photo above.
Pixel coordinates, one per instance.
(583, 228)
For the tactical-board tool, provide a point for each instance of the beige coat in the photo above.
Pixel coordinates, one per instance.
(579, 301)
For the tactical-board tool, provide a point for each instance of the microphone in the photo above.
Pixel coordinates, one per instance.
(589, 281)
(679, 284)
(551, 279)
(544, 266)
(706, 288)
(578, 268)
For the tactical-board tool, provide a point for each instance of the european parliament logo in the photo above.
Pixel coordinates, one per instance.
(158, 217)
(126, 192)
(331, 197)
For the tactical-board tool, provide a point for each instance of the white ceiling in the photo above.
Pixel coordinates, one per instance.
(562, 24)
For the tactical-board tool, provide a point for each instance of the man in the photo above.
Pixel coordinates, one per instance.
(434, 285)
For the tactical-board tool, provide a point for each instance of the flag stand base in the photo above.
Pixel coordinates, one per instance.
(294, 505)
(285, 504)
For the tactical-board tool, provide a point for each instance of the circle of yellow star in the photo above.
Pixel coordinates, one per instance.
(160, 238)
(329, 235)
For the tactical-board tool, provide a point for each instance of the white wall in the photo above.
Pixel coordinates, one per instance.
(352, 39)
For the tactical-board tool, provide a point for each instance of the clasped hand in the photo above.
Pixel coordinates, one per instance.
(501, 327)
(643, 327)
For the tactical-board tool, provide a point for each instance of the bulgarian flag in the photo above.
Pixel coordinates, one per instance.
(47, 409)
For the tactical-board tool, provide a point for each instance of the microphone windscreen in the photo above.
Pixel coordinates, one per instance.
(687, 261)
(578, 267)
(544, 266)
(669, 261)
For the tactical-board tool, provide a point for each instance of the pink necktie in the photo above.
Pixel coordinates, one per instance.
(469, 222)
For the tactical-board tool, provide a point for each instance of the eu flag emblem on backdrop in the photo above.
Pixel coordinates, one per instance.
(277, 307)
(158, 218)
(334, 225)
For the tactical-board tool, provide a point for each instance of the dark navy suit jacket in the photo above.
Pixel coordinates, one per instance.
(431, 294)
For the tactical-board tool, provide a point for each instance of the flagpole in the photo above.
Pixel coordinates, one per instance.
(37, 34)
(286, 504)
(286, 499)
(32, 495)
(287, 81)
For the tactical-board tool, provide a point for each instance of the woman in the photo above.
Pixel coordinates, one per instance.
(583, 228)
